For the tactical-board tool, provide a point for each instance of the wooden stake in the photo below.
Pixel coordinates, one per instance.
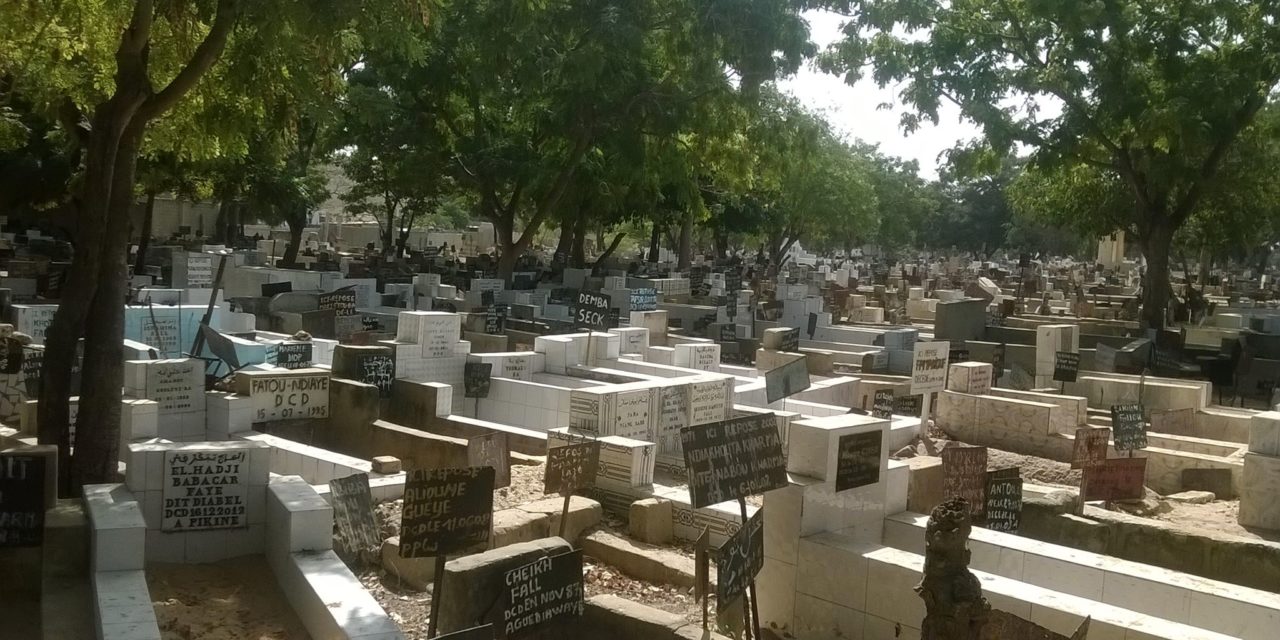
(750, 616)
(564, 516)
(435, 596)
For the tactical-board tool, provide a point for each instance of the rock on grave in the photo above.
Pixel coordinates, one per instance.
(651, 521)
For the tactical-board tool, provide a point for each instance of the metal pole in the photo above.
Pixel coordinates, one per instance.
(751, 616)
(438, 585)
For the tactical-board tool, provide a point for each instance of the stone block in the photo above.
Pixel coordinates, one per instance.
(924, 483)
(609, 616)
(471, 584)
(387, 465)
(970, 377)
(584, 513)
(1264, 433)
(1260, 488)
(511, 526)
(813, 444)
(415, 572)
(956, 411)
(650, 521)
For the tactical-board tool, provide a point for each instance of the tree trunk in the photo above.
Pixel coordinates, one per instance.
(613, 246)
(97, 448)
(1204, 267)
(144, 236)
(222, 224)
(63, 334)
(686, 242)
(721, 241)
(389, 232)
(406, 227)
(297, 224)
(579, 256)
(1156, 292)
(655, 238)
(565, 242)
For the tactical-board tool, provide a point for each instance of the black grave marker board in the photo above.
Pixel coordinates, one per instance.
(1004, 499)
(882, 404)
(1128, 427)
(293, 355)
(790, 341)
(270, 289)
(733, 459)
(379, 370)
(786, 380)
(476, 378)
(542, 593)
(858, 460)
(22, 500)
(741, 558)
(490, 450)
(1090, 447)
(1116, 479)
(341, 301)
(1066, 365)
(728, 333)
(964, 474)
(591, 311)
(445, 510)
(571, 468)
(352, 502)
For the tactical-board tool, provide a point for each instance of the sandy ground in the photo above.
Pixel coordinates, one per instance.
(230, 600)
(1219, 516)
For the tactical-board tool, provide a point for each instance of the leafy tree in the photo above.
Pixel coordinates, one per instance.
(519, 114)
(113, 75)
(1153, 94)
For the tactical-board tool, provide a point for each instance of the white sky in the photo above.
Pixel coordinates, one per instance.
(854, 110)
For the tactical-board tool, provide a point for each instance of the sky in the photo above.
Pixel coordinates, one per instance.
(854, 110)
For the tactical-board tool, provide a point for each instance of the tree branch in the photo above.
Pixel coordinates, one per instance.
(207, 53)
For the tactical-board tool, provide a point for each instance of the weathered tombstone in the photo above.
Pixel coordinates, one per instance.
(358, 537)
(955, 608)
(790, 341)
(733, 459)
(1090, 447)
(882, 404)
(1004, 499)
(490, 450)
(1116, 479)
(541, 594)
(741, 557)
(786, 380)
(1217, 481)
(964, 475)
(476, 379)
(858, 460)
(1128, 426)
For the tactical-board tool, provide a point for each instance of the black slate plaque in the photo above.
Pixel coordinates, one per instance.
(445, 510)
(571, 468)
(733, 459)
(476, 378)
(858, 461)
(22, 496)
(741, 558)
(1128, 427)
(542, 593)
